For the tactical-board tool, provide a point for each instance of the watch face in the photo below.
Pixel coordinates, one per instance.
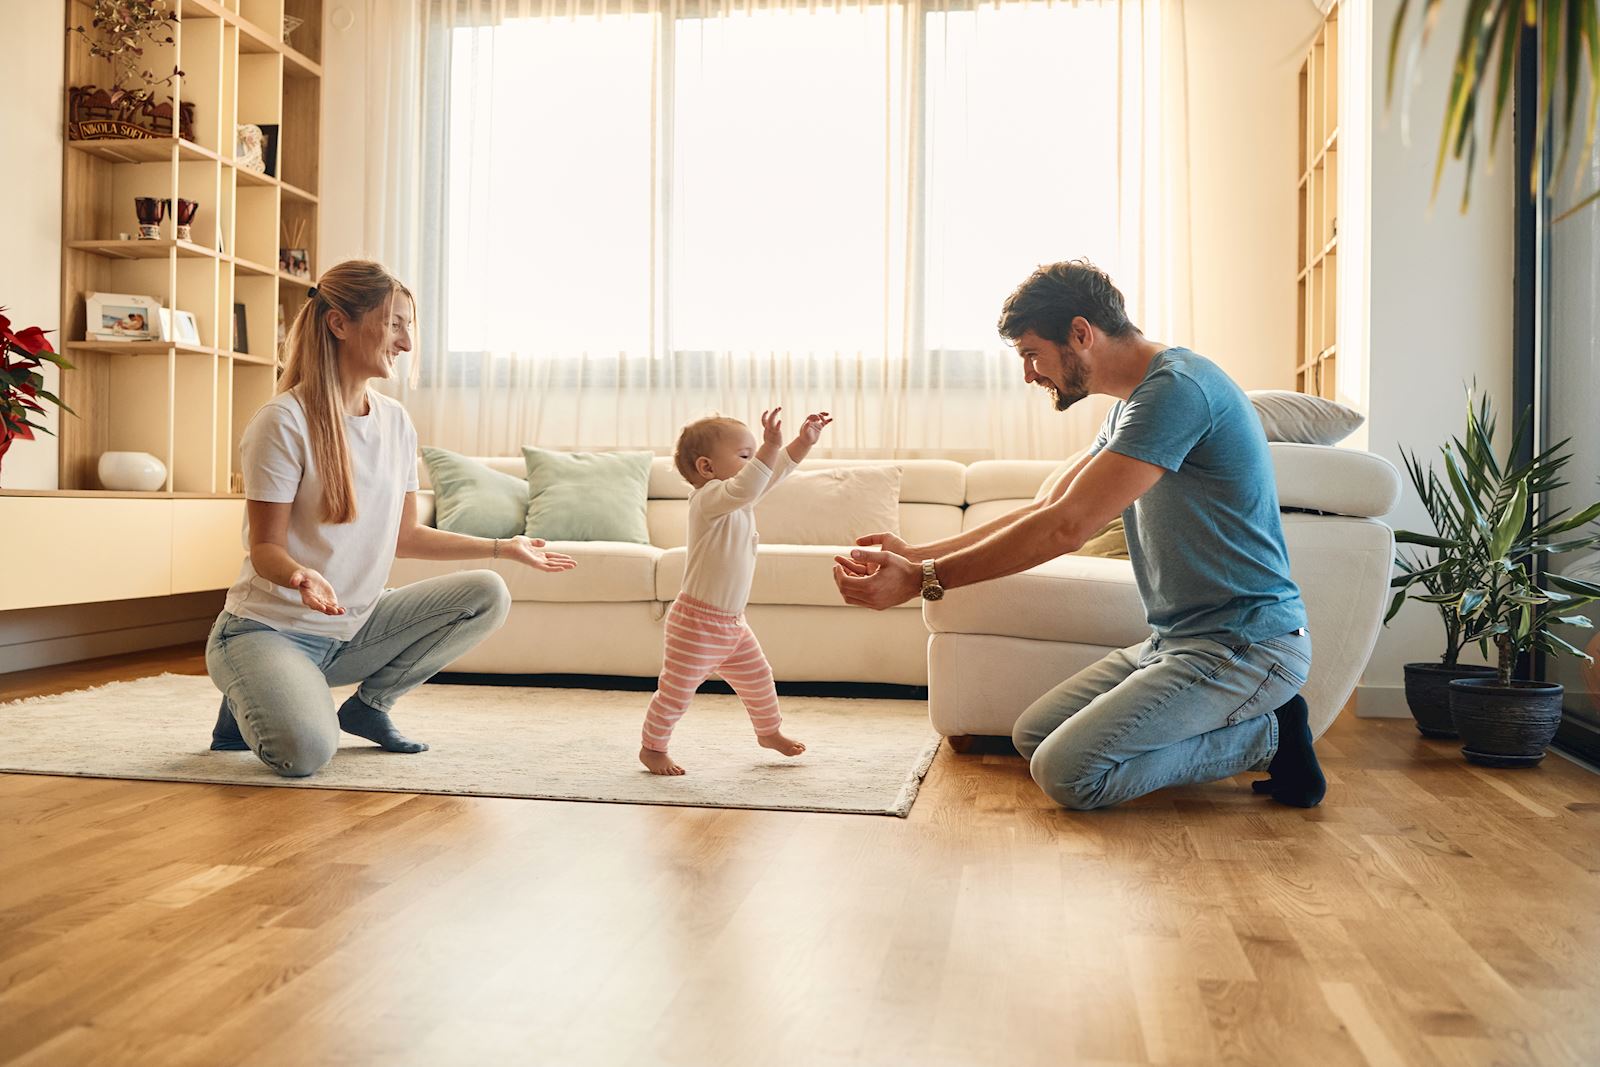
(932, 592)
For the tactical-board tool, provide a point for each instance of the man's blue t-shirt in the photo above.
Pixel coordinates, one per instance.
(1206, 541)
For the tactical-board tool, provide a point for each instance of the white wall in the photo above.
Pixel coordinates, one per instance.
(345, 122)
(1244, 130)
(1440, 312)
(31, 122)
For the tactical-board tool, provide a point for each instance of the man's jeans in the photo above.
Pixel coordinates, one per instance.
(277, 681)
(1171, 711)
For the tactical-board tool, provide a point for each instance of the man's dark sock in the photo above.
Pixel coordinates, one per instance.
(1295, 775)
(359, 718)
(225, 736)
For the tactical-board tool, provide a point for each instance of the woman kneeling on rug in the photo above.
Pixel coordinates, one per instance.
(330, 480)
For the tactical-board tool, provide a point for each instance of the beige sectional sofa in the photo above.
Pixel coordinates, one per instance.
(985, 651)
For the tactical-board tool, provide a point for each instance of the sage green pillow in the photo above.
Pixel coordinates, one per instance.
(588, 496)
(471, 498)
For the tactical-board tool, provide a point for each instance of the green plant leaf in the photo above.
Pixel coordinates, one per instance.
(1395, 604)
(1511, 522)
(1582, 518)
(1573, 585)
(1407, 537)
(1582, 622)
(1555, 643)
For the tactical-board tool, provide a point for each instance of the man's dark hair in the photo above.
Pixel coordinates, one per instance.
(1056, 294)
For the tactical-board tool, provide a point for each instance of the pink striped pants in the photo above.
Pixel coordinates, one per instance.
(701, 640)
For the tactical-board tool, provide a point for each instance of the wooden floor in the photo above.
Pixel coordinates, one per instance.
(1429, 913)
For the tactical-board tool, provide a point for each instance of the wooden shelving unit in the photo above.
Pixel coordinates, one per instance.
(1317, 348)
(186, 404)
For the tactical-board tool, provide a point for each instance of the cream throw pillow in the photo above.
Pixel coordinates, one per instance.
(1302, 418)
(833, 506)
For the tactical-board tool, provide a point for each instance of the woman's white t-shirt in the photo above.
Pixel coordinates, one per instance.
(354, 557)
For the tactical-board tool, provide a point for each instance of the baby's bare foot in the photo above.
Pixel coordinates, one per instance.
(778, 743)
(658, 762)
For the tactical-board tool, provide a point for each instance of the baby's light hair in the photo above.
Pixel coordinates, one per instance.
(698, 439)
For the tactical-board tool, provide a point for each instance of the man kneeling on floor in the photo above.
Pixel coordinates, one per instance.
(1183, 459)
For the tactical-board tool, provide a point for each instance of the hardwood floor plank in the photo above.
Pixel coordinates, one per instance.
(1430, 913)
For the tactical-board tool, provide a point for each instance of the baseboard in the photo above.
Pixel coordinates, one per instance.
(629, 683)
(45, 637)
(1382, 702)
(1580, 739)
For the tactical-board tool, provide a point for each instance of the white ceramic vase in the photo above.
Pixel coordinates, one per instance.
(137, 472)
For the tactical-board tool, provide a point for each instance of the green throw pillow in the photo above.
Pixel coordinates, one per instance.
(588, 496)
(471, 498)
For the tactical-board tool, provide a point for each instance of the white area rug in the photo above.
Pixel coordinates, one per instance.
(863, 756)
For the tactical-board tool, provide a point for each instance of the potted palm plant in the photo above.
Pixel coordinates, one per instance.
(1503, 599)
(1433, 574)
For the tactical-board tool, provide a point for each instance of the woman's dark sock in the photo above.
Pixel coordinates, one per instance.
(359, 718)
(225, 736)
(1295, 776)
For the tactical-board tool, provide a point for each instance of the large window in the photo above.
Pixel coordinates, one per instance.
(799, 179)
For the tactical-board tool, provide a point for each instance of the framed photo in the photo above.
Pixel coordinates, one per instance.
(294, 262)
(185, 330)
(269, 149)
(241, 334)
(248, 147)
(121, 317)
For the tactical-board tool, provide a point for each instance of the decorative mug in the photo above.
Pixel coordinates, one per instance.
(151, 210)
(134, 472)
(185, 216)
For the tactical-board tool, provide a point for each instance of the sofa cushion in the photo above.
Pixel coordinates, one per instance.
(1340, 481)
(1302, 418)
(922, 481)
(831, 506)
(785, 574)
(473, 498)
(607, 572)
(587, 496)
(1080, 599)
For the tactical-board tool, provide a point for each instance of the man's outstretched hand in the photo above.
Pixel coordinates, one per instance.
(876, 580)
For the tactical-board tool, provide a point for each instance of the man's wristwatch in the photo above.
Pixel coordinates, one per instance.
(931, 589)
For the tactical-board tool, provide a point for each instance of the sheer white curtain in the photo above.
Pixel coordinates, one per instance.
(623, 215)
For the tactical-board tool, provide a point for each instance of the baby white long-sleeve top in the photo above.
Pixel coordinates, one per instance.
(722, 534)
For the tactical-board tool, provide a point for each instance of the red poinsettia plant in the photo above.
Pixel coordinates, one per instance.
(22, 353)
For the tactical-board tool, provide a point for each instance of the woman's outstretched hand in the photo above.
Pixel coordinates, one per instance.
(315, 592)
(530, 551)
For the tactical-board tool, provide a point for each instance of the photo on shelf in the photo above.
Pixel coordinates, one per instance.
(241, 334)
(247, 148)
(121, 317)
(179, 326)
(185, 329)
(294, 262)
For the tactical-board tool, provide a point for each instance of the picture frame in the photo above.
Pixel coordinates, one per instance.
(294, 262)
(179, 327)
(241, 333)
(186, 330)
(269, 148)
(248, 148)
(121, 317)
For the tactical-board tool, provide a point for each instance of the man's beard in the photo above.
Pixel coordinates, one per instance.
(1074, 385)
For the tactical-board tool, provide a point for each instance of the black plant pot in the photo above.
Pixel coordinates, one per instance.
(1428, 694)
(1505, 726)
